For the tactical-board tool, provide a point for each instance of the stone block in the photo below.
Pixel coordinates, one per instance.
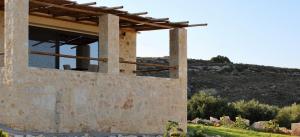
(296, 129)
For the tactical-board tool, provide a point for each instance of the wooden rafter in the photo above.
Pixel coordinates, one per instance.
(98, 13)
(89, 13)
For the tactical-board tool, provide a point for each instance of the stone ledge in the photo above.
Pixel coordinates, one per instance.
(16, 133)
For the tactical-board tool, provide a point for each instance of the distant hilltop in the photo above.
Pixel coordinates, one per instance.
(220, 77)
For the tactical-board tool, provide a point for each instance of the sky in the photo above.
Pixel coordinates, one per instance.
(264, 32)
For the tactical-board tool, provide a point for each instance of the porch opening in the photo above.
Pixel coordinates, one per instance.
(154, 53)
(64, 50)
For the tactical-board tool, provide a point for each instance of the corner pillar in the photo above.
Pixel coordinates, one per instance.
(109, 43)
(16, 37)
(178, 58)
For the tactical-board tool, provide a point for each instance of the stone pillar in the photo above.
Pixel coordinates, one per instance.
(128, 51)
(83, 51)
(178, 58)
(178, 53)
(109, 43)
(16, 38)
(1, 39)
(296, 129)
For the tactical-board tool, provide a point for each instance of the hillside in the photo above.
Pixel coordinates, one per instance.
(271, 85)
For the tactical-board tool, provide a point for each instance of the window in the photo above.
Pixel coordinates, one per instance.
(63, 50)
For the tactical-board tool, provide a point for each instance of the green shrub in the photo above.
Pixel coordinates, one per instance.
(288, 115)
(255, 111)
(3, 134)
(240, 123)
(271, 126)
(226, 122)
(220, 59)
(203, 105)
(173, 130)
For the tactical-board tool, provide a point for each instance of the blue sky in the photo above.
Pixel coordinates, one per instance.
(264, 32)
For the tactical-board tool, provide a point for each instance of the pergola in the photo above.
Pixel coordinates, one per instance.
(89, 13)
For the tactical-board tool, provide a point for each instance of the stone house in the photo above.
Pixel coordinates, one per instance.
(43, 90)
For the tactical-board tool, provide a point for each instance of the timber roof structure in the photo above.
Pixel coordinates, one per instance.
(88, 13)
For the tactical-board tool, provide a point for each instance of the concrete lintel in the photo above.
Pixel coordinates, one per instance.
(16, 36)
(109, 43)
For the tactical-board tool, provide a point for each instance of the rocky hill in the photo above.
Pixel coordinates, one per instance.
(271, 85)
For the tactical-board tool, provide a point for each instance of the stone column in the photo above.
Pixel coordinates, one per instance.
(109, 43)
(128, 51)
(178, 58)
(16, 38)
(83, 51)
(178, 53)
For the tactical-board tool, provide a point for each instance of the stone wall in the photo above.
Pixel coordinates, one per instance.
(69, 101)
(1, 39)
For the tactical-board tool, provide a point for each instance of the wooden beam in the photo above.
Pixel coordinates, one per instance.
(114, 8)
(99, 14)
(67, 42)
(99, 59)
(86, 4)
(38, 43)
(181, 22)
(47, 7)
(159, 20)
(67, 56)
(151, 70)
(198, 25)
(139, 13)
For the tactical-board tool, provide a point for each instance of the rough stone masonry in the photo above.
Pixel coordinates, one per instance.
(109, 101)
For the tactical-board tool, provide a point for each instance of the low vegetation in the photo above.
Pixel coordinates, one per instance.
(3, 134)
(255, 111)
(220, 59)
(203, 105)
(288, 115)
(228, 132)
(173, 130)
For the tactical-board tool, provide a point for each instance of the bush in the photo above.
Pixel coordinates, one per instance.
(203, 105)
(226, 121)
(271, 126)
(241, 123)
(288, 115)
(3, 134)
(220, 59)
(255, 111)
(173, 130)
